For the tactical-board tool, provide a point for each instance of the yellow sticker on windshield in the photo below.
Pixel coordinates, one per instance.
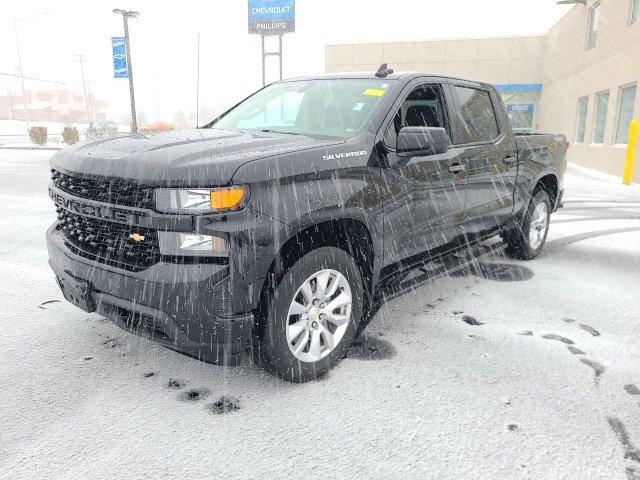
(374, 92)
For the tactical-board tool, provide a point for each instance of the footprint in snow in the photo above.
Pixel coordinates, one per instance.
(471, 321)
(598, 369)
(631, 452)
(224, 405)
(175, 384)
(194, 395)
(632, 389)
(590, 329)
(112, 343)
(575, 351)
(552, 336)
(479, 338)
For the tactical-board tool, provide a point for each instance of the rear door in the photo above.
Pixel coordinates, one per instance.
(424, 211)
(490, 155)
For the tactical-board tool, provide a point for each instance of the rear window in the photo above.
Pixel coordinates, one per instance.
(476, 118)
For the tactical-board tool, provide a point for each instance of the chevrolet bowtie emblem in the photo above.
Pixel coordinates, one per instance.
(136, 237)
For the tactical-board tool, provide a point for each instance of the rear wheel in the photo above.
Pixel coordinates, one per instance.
(312, 317)
(527, 242)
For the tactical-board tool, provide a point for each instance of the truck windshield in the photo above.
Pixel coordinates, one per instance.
(327, 107)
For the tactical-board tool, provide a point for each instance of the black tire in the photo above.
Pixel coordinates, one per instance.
(518, 240)
(271, 348)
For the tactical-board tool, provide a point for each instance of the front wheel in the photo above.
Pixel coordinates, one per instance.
(312, 317)
(526, 242)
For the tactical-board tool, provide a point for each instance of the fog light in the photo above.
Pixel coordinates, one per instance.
(191, 244)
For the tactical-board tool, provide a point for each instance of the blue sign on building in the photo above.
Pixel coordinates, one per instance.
(520, 107)
(272, 17)
(119, 47)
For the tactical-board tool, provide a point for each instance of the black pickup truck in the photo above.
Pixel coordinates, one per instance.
(276, 224)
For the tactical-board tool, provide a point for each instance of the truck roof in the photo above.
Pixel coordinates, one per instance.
(406, 76)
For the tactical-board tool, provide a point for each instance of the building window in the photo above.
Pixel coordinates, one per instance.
(594, 16)
(625, 113)
(602, 103)
(635, 11)
(583, 104)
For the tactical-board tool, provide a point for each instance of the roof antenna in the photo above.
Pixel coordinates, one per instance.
(383, 71)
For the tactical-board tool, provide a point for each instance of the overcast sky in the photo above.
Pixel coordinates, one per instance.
(164, 41)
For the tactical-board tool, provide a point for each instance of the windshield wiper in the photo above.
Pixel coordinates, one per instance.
(269, 130)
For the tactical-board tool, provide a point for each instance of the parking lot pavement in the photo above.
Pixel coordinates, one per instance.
(500, 370)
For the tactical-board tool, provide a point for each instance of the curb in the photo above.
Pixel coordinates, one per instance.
(4, 147)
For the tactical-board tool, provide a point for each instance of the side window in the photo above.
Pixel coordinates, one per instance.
(423, 107)
(476, 119)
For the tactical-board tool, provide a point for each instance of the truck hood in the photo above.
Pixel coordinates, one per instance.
(198, 157)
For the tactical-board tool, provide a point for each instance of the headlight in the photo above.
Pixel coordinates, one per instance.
(200, 200)
(191, 245)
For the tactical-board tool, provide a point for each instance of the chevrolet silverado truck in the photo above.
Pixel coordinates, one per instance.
(271, 230)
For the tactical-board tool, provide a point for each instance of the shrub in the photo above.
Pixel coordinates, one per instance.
(157, 127)
(70, 135)
(38, 135)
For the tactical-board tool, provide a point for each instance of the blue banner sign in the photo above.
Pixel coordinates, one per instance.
(119, 48)
(519, 107)
(272, 17)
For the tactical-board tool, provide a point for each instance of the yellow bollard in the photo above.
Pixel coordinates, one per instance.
(631, 151)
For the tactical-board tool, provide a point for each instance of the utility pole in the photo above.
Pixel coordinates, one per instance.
(84, 88)
(125, 15)
(91, 105)
(198, 87)
(24, 95)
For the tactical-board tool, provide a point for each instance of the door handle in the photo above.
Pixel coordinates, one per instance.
(457, 168)
(509, 160)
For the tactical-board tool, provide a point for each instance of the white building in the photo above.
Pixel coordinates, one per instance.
(580, 79)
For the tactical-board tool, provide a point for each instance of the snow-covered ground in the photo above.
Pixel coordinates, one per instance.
(465, 377)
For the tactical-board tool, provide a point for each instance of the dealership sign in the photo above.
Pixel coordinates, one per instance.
(118, 46)
(272, 17)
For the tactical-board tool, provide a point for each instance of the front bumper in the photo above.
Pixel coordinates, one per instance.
(186, 307)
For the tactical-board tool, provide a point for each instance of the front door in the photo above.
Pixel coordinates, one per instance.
(426, 193)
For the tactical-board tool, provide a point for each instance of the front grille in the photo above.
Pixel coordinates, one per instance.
(108, 242)
(117, 192)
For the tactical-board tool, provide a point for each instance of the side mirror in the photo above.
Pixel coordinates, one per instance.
(414, 141)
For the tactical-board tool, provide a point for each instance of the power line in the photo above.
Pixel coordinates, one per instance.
(32, 78)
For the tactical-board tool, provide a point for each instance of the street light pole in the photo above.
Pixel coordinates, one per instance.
(125, 16)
